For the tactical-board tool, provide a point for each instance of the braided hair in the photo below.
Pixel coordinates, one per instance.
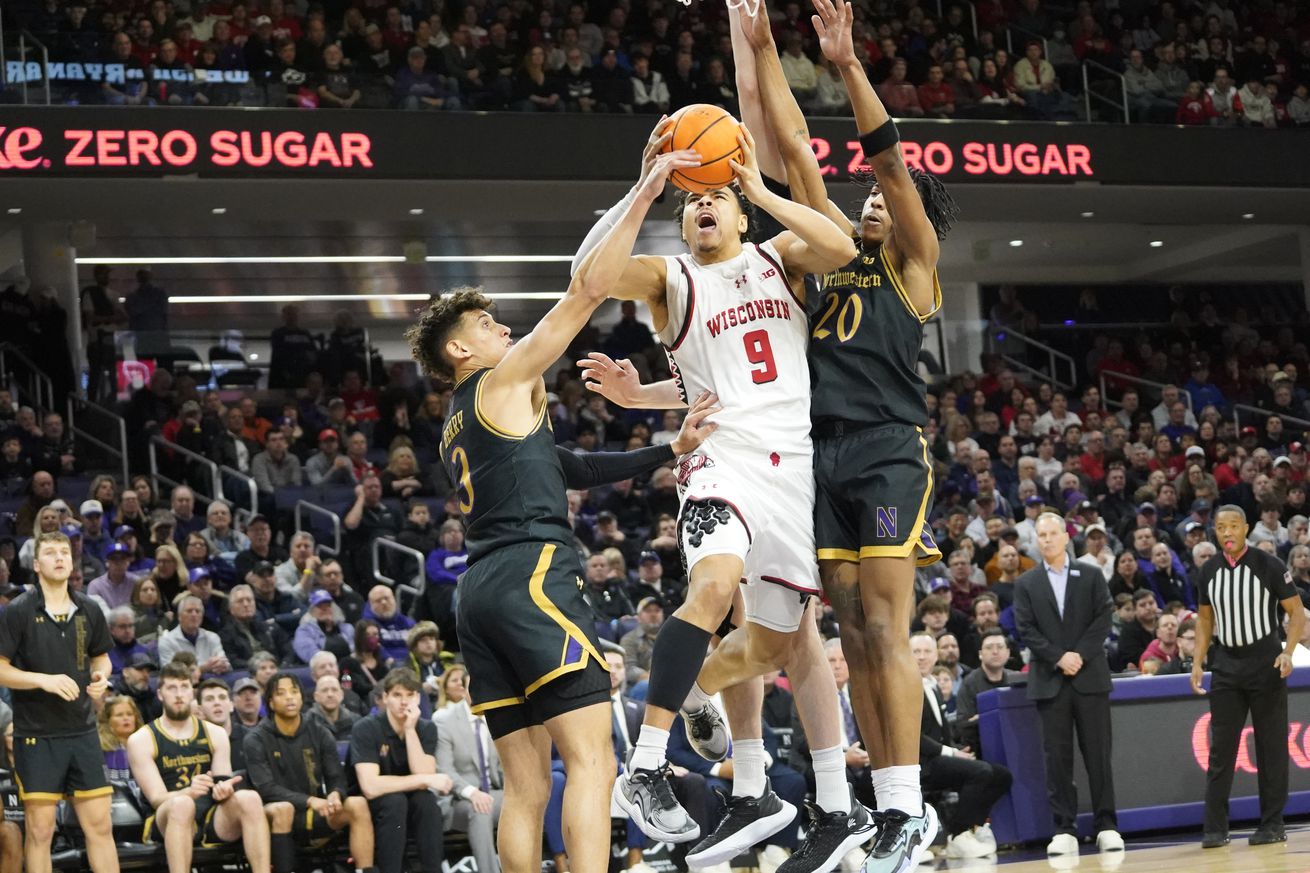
(938, 204)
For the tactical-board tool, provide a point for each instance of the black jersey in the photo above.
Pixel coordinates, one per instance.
(33, 639)
(511, 487)
(865, 339)
(181, 760)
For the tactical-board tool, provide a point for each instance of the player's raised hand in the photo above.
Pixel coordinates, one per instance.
(833, 27)
(748, 170)
(652, 185)
(616, 381)
(695, 429)
(755, 27)
(61, 686)
(654, 145)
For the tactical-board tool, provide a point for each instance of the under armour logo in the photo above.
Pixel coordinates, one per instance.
(741, 280)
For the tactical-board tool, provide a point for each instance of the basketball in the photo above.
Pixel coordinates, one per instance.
(712, 132)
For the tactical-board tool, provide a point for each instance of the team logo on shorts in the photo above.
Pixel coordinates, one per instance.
(886, 517)
(690, 465)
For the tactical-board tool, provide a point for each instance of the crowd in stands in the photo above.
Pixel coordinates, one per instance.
(240, 598)
(1186, 63)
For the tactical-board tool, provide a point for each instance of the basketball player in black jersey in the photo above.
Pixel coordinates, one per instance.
(534, 662)
(184, 768)
(873, 476)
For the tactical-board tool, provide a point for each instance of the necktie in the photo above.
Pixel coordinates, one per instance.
(484, 782)
(848, 717)
(620, 745)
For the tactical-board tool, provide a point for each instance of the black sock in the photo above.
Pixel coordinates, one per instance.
(676, 660)
(283, 851)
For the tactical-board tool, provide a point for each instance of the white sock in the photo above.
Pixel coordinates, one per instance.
(898, 788)
(696, 699)
(748, 768)
(830, 790)
(651, 746)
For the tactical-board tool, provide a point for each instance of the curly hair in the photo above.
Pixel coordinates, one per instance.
(938, 204)
(427, 339)
(747, 209)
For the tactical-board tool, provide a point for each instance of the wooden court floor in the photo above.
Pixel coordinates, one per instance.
(1180, 853)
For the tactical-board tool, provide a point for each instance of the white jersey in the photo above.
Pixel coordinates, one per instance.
(736, 328)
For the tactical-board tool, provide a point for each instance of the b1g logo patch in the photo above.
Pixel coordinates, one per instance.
(886, 519)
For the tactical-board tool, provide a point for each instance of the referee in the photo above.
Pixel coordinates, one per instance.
(63, 635)
(1240, 590)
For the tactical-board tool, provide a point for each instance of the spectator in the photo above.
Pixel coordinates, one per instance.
(394, 755)
(293, 764)
(612, 85)
(54, 452)
(133, 683)
(463, 64)
(798, 69)
(831, 97)
(650, 95)
(1298, 108)
(214, 702)
(122, 628)
(418, 532)
(417, 87)
(576, 82)
(357, 454)
(40, 493)
(1253, 107)
(190, 637)
(1137, 635)
(321, 623)
(365, 521)
(261, 548)
(936, 96)
(370, 663)
(182, 504)
(1172, 74)
(535, 88)
(1223, 97)
(639, 643)
(116, 586)
(1147, 96)
(222, 538)
(328, 466)
(327, 706)
(331, 579)
(148, 606)
(994, 652)
(1034, 78)
(337, 86)
(1164, 648)
(403, 478)
(119, 718)
(898, 94)
(147, 313)
(466, 754)
(242, 634)
(394, 626)
(295, 576)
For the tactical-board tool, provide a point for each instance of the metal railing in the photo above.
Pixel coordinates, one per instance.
(157, 443)
(25, 37)
(1028, 36)
(247, 484)
(420, 578)
(1287, 419)
(116, 423)
(997, 335)
(315, 509)
(36, 387)
(1088, 94)
(1138, 380)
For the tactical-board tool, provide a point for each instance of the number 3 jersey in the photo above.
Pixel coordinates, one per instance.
(736, 328)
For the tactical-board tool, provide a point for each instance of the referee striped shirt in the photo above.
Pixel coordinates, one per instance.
(1245, 596)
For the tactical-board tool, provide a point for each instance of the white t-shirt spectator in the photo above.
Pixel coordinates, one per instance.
(1048, 424)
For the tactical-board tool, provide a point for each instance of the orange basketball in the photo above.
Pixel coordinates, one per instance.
(712, 132)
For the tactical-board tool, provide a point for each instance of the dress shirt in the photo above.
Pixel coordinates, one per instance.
(1059, 583)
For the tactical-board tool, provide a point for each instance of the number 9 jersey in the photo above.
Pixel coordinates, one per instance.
(737, 329)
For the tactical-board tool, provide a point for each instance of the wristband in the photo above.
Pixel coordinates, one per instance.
(877, 141)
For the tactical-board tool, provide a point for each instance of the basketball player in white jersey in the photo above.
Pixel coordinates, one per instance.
(731, 315)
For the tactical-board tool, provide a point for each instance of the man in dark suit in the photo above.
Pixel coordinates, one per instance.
(944, 766)
(1062, 611)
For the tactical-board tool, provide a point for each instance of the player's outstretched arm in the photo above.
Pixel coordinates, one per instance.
(594, 469)
(620, 384)
(749, 96)
(597, 274)
(913, 235)
(812, 243)
(784, 119)
(644, 276)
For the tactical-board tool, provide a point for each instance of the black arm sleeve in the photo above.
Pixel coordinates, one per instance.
(602, 468)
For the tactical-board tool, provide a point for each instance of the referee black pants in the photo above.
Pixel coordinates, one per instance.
(1263, 693)
(1091, 714)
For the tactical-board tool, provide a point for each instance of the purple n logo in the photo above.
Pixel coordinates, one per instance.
(886, 522)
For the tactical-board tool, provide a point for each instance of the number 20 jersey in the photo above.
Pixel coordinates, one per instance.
(736, 328)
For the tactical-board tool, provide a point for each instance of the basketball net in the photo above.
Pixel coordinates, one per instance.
(750, 7)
